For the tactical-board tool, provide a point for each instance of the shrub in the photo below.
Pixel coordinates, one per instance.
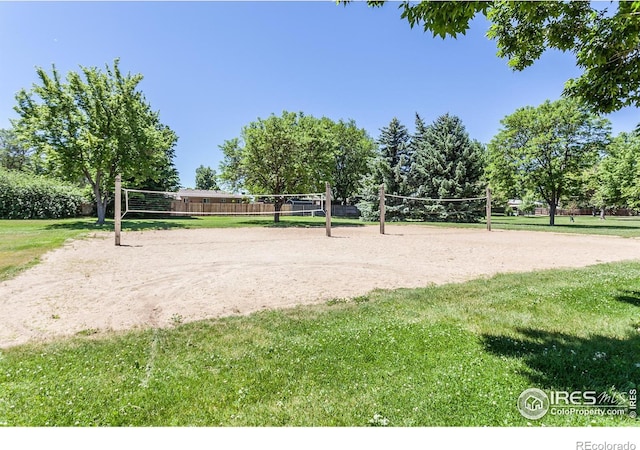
(27, 196)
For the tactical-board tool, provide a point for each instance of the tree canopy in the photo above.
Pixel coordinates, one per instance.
(437, 161)
(388, 168)
(206, 178)
(14, 155)
(604, 39)
(92, 127)
(445, 163)
(544, 151)
(618, 174)
(295, 153)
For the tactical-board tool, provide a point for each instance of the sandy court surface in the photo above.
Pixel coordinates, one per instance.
(198, 274)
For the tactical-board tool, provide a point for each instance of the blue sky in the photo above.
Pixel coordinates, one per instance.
(212, 67)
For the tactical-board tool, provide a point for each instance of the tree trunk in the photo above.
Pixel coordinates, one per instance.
(101, 206)
(277, 206)
(552, 213)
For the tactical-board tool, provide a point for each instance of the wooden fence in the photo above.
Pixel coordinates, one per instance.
(585, 212)
(239, 208)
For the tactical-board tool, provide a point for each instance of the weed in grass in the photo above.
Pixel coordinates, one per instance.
(337, 301)
(177, 319)
(378, 421)
(87, 332)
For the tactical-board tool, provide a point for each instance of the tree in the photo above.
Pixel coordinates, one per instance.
(94, 126)
(279, 155)
(231, 169)
(389, 167)
(618, 174)
(14, 155)
(445, 163)
(353, 149)
(206, 178)
(545, 149)
(605, 41)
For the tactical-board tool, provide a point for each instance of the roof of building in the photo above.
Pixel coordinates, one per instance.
(207, 194)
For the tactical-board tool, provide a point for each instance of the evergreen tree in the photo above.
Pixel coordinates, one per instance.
(445, 163)
(390, 168)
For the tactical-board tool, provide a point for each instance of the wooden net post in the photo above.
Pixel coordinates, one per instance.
(117, 219)
(488, 209)
(327, 207)
(382, 209)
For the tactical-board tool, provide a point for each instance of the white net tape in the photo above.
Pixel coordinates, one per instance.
(402, 207)
(436, 199)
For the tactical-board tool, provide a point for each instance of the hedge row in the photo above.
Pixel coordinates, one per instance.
(26, 196)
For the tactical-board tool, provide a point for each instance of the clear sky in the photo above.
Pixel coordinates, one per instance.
(212, 67)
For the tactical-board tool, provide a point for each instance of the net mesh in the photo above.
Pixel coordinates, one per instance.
(468, 209)
(180, 204)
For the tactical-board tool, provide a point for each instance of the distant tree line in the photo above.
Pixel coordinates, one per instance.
(97, 123)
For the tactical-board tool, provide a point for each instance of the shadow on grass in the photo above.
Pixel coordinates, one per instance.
(335, 223)
(136, 225)
(196, 222)
(631, 297)
(564, 362)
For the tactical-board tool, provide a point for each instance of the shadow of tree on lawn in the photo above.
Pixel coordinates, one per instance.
(631, 297)
(565, 362)
(137, 225)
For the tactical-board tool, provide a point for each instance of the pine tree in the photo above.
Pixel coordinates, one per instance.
(390, 168)
(445, 163)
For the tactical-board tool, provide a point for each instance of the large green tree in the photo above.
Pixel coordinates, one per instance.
(618, 174)
(279, 155)
(297, 153)
(445, 163)
(206, 178)
(94, 126)
(543, 150)
(352, 150)
(604, 38)
(388, 168)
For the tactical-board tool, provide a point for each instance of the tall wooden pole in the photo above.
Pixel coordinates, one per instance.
(488, 209)
(382, 209)
(117, 219)
(327, 206)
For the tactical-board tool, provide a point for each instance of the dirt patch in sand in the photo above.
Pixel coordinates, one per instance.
(159, 276)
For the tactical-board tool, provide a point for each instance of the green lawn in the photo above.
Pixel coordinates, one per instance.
(455, 355)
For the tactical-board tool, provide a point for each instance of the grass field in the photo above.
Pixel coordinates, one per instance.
(453, 355)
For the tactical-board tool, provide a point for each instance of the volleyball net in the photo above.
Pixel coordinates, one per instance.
(190, 202)
(412, 208)
(201, 203)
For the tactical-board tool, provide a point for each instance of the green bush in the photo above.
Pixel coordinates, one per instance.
(27, 196)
